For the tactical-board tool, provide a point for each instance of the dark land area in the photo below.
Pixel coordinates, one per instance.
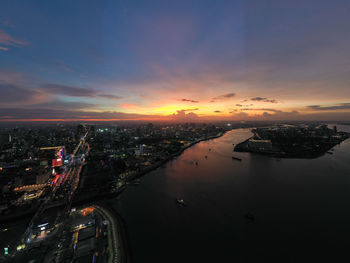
(293, 141)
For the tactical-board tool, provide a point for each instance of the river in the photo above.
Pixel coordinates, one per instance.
(300, 207)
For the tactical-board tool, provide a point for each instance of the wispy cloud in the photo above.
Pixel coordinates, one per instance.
(224, 96)
(68, 90)
(8, 40)
(190, 109)
(73, 91)
(110, 96)
(15, 94)
(264, 99)
(189, 100)
(340, 106)
(271, 111)
(63, 66)
(3, 48)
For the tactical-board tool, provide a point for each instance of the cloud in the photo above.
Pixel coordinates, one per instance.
(340, 106)
(8, 40)
(217, 111)
(189, 109)
(187, 100)
(59, 104)
(182, 116)
(273, 113)
(280, 114)
(239, 105)
(64, 114)
(3, 48)
(62, 65)
(110, 96)
(68, 90)
(264, 99)
(224, 96)
(73, 91)
(14, 94)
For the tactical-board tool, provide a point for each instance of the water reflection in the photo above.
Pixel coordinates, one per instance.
(300, 207)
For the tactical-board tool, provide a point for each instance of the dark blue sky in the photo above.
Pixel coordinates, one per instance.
(152, 59)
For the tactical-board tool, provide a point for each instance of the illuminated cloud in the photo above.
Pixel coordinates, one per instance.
(182, 116)
(184, 110)
(3, 48)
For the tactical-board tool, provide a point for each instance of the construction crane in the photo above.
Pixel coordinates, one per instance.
(52, 148)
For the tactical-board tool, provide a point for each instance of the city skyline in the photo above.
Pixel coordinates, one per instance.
(179, 61)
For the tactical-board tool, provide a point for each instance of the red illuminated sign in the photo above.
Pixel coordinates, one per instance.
(56, 162)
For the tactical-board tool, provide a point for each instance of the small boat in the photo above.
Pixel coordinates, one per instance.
(197, 163)
(205, 157)
(236, 158)
(181, 202)
(233, 144)
(209, 149)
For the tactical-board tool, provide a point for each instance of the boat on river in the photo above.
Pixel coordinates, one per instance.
(181, 202)
(236, 158)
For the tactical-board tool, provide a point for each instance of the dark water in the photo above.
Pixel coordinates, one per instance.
(301, 207)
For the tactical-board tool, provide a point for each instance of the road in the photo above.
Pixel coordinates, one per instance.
(66, 187)
(115, 244)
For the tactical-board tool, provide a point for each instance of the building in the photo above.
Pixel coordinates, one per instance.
(260, 145)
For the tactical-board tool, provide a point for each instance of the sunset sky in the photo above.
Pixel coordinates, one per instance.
(175, 60)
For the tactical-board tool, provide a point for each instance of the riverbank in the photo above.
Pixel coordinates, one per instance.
(171, 157)
(116, 234)
(79, 200)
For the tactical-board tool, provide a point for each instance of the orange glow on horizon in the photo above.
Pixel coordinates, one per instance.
(82, 120)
